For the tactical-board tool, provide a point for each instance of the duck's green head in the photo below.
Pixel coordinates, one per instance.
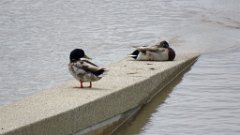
(164, 44)
(77, 54)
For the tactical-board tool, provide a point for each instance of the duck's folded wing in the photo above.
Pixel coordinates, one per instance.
(151, 49)
(89, 66)
(87, 61)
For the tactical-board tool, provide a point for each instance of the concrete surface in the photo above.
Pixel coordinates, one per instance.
(66, 109)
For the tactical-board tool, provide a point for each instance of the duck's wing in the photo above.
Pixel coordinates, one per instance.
(89, 62)
(89, 66)
(150, 49)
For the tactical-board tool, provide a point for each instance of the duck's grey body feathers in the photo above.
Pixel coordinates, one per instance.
(158, 52)
(84, 70)
(152, 53)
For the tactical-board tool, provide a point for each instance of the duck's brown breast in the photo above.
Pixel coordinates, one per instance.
(171, 54)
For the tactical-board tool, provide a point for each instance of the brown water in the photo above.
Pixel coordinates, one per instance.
(36, 37)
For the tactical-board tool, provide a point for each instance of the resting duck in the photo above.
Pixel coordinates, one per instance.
(159, 52)
(82, 69)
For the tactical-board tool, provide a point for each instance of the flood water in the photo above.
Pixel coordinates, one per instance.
(36, 37)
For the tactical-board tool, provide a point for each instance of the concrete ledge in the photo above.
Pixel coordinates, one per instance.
(66, 110)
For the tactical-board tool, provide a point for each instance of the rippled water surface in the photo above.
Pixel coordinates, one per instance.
(36, 37)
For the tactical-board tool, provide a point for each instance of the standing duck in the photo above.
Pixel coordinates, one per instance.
(159, 52)
(82, 69)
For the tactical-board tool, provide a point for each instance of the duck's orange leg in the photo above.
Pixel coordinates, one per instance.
(81, 84)
(90, 86)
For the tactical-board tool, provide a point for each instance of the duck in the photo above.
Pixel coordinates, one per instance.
(158, 52)
(82, 69)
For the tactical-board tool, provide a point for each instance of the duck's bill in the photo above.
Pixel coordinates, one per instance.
(85, 56)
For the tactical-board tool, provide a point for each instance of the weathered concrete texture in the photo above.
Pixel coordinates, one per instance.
(65, 109)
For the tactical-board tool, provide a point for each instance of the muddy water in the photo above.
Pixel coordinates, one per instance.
(37, 36)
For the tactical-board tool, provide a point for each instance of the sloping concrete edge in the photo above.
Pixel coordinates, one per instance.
(65, 110)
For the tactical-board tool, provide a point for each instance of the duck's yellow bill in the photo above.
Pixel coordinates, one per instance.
(85, 56)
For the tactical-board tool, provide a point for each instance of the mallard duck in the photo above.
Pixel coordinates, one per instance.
(82, 69)
(159, 52)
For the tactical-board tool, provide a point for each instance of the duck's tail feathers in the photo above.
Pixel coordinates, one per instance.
(99, 72)
(134, 54)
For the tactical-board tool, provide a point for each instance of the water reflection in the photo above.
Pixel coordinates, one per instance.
(136, 124)
(205, 102)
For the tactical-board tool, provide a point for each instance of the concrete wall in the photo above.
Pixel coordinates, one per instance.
(66, 109)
